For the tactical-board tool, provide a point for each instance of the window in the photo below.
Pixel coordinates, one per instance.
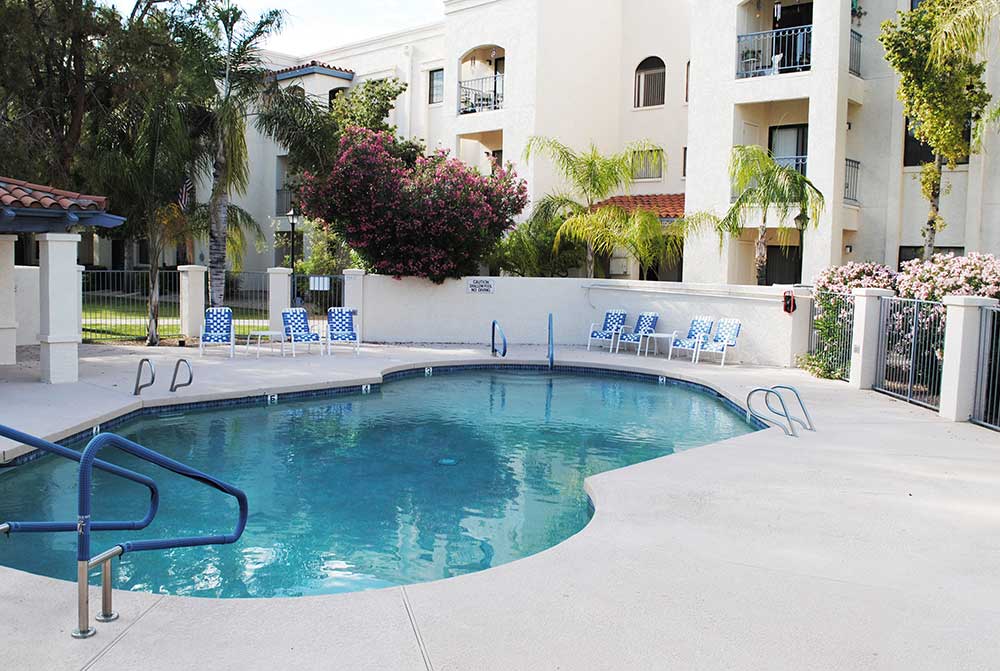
(790, 145)
(687, 81)
(334, 93)
(684, 163)
(647, 164)
(916, 153)
(650, 82)
(435, 83)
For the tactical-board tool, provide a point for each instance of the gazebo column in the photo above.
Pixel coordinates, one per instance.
(8, 318)
(59, 328)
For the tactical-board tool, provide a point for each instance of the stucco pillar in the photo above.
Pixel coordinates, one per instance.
(961, 355)
(354, 297)
(279, 295)
(59, 291)
(865, 341)
(8, 316)
(192, 300)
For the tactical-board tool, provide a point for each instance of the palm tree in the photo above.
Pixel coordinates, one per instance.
(964, 27)
(227, 44)
(592, 178)
(764, 185)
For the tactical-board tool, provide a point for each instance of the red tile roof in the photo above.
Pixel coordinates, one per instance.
(18, 193)
(311, 64)
(665, 205)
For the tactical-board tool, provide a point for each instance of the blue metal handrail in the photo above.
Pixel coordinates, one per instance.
(551, 344)
(67, 453)
(493, 339)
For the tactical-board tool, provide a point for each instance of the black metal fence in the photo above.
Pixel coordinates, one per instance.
(317, 294)
(911, 351)
(247, 294)
(116, 305)
(831, 334)
(987, 407)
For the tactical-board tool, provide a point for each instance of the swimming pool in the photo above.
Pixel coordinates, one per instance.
(423, 479)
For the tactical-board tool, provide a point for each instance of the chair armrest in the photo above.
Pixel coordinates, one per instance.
(624, 329)
(594, 325)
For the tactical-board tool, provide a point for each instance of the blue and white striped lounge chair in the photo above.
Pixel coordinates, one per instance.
(614, 322)
(644, 324)
(297, 329)
(217, 329)
(697, 334)
(725, 337)
(340, 328)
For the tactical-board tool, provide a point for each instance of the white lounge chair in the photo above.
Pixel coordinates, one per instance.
(697, 334)
(614, 322)
(644, 325)
(217, 329)
(725, 337)
(340, 328)
(297, 329)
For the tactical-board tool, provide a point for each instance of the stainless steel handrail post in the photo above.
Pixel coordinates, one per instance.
(808, 424)
(107, 613)
(138, 376)
(83, 628)
(177, 367)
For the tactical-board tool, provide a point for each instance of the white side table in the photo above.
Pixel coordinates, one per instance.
(656, 337)
(271, 336)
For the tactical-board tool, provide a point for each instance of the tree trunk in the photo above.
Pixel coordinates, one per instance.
(153, 327)
(218, 224)
(590, 261)
(760, 252)
(933, 196)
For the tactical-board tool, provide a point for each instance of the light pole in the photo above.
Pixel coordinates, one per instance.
(293, 219)
(801, 223)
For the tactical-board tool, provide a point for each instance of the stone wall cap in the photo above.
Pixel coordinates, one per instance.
(59, 237)
(871, 291)
(193, 268)
(279, 271)
(353, 271)
(970, 301)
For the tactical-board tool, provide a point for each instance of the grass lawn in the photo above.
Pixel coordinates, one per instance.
(116, 318)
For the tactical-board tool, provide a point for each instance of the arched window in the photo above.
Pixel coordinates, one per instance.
(650, 82)
(332, 95)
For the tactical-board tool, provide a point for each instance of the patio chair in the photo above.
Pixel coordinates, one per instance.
(297, 329)
(644, 325)
(697, 334)
(217, 329)
(725, 337)
(340, 328)
(614, 322)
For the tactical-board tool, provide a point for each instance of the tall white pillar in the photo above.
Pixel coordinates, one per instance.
(8, 316)
(354, 297)
(865, 340)
(961, 355)
(279, 295)
(59, 289)
(192, 300)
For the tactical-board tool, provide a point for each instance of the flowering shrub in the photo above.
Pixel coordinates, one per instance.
(436, 219)
(854, 275)
(943, 274)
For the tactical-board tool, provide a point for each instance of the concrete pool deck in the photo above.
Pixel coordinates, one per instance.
(873, 543)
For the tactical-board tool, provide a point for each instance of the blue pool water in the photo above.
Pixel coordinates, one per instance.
(423, 479)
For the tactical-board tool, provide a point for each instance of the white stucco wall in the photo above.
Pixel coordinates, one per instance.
(27, 304)
(417, 310)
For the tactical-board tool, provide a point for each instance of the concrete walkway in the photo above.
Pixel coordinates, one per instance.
(871, 544)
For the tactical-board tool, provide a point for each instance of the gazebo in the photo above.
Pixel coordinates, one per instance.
(50, 214)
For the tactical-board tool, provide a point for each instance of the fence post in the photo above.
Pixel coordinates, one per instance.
(279, 295)
(8, 302)
(961, 355)
(59, 323)
(79, 298)
(865, 339)
(192, 298)
(354, 297)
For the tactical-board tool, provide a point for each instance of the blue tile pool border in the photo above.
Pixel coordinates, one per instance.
(351, 389)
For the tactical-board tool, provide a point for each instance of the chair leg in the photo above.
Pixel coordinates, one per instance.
(589, 339)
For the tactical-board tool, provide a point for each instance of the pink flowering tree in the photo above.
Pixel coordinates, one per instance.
(435, 219)
(943, 274)
(854, 275)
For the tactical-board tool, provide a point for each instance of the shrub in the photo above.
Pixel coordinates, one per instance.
(436, 219)
(943, 274)
(854, 275)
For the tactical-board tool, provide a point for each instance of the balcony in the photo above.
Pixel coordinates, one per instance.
(855, 62)
(282, 202)
(773, 52)
(796, 162)
(481, 94)
(852, 179)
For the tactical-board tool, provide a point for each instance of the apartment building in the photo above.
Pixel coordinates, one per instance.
(808, 80)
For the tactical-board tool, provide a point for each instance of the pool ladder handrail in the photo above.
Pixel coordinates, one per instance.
(783, 412)
(493, 340)
(552, 348)
(85, 561)
(173, 381)
(138, 376)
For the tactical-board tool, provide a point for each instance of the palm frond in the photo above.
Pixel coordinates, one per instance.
(241, 227)
(963, 28)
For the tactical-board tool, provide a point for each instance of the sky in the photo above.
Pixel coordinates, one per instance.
(315, 25)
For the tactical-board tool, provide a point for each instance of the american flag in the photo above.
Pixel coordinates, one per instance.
(185, 196)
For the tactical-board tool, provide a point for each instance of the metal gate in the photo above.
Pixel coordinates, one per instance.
(116, 305)
(911, 351)
(317, 294)
(831, 333)
(987, 407)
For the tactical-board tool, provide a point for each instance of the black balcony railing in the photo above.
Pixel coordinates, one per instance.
(852, 179)
(855, 63)
(480, 95)
(773, 52)
(282, 202)
(797, 162)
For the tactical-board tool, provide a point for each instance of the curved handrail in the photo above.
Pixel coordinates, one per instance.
(551, 345)
(138, 376)
(808, 424)
(177, 367)
(790, 430)
(493, 339)
(67, 453)
(87, 462)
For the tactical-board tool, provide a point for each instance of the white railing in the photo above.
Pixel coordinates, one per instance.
(480, 95)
